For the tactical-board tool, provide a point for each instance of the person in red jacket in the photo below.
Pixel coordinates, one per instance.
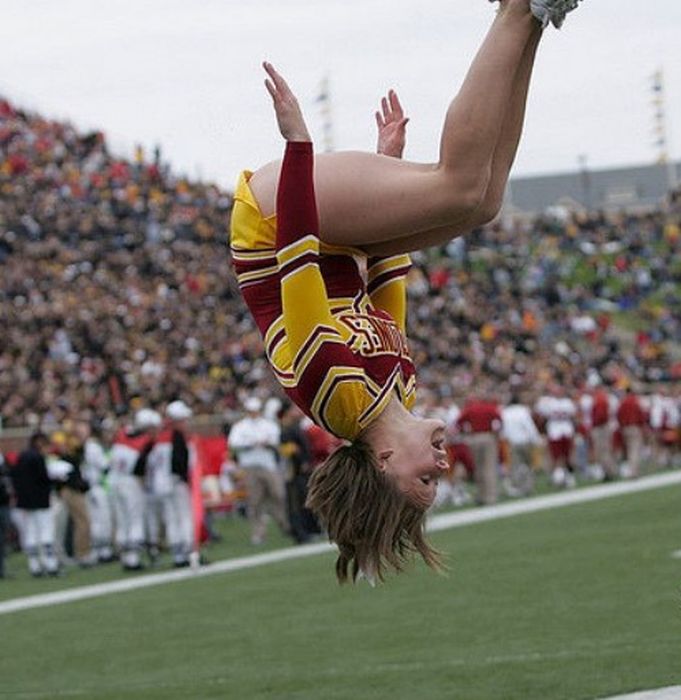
(632, 418)
(480, 423)
(322, 443)
(602, 431)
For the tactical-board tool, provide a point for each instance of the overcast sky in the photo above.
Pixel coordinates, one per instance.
(187, 74)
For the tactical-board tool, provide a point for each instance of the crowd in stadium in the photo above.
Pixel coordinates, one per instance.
(516, 304)
(118, 297)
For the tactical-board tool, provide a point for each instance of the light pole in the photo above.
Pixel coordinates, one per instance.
(660, 128)
(326, 113)
(585, 180)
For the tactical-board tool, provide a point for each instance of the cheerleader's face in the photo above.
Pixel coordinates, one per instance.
(417, 460)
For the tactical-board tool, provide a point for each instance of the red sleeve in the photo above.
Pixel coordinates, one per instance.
(296, 204)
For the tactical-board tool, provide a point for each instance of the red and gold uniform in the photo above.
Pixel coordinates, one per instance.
(336, 344)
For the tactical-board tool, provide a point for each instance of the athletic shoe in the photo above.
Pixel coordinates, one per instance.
(561, 9)
(153, 552)
(570, 481)
(546, 11)
(509, 489)
(558, 476)
(553, 11)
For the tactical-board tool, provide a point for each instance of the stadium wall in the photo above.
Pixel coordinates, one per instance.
(635, 188)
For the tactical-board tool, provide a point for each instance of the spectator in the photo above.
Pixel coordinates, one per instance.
(254, 442)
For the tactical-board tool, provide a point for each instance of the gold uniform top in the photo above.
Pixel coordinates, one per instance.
(336, 343)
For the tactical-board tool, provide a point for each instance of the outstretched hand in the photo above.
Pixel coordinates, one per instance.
(392, 126)
(289, 117)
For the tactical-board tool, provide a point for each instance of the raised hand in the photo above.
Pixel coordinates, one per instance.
(392, 126)
(289, 117)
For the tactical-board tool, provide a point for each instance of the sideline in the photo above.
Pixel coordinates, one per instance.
(436, 523)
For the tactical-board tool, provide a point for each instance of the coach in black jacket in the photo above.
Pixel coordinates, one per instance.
(5, 497)
(32, 487)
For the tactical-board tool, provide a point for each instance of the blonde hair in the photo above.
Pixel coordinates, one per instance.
(375, 526)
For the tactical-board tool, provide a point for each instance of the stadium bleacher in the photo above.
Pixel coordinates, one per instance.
(117, 289)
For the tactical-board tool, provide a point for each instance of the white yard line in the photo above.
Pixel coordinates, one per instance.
(131, 584)
(670, 693)
(554, 500)
(437, 522)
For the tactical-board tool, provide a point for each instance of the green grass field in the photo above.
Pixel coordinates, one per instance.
(235, 543)
(578, 602)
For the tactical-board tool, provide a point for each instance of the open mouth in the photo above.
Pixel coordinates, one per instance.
(429, 479)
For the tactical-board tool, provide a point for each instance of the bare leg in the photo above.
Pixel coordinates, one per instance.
(504, 155)
(365, 198)
(507, 147)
